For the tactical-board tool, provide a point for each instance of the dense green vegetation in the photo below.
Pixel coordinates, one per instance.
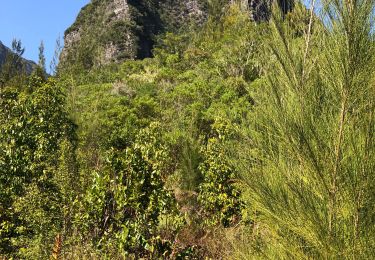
(237, 140)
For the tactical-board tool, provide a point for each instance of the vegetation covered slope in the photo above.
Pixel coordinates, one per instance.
(238, 140)
(116, 30)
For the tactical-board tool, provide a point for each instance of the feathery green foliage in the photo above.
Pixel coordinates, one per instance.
(312, 151)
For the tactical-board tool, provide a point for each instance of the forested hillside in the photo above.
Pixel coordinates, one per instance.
(236, 138)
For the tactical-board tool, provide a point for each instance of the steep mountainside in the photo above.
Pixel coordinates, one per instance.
(4, 51)
(115, 30)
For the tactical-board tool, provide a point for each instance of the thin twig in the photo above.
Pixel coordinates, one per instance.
(337, 162)
(308, 36)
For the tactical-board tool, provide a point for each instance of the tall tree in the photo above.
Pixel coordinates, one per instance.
(42, 58)
(310, 170)
(18, 50)
(56, 57)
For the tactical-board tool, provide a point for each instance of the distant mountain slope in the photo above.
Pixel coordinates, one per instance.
(4, 51)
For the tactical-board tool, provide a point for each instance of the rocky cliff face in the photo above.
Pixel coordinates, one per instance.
(260, 10)
(114, 30)
(99, 23)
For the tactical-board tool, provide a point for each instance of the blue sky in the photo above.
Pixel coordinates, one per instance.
(32, 21)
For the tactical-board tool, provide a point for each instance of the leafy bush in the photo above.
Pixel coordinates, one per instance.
(217, 193)
(35, 133)
(128, 199)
